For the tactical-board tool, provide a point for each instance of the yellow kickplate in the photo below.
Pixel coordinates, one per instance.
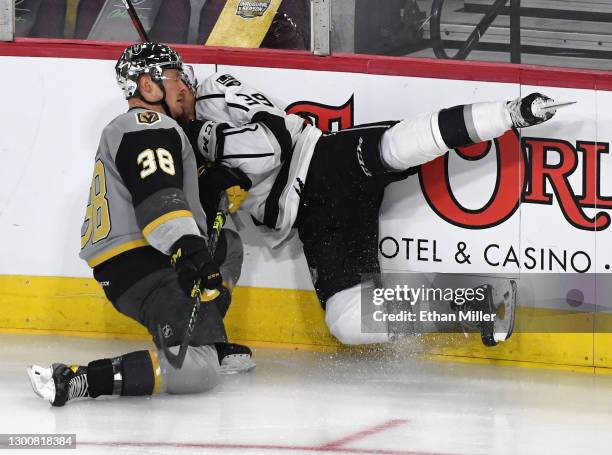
(292, 317)
(574, 349)
(57, 303)
(603, 350)
(243, 23)
(79, 305)
(574, 346)
(278, 315)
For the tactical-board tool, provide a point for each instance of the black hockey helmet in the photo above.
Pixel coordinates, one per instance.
(151, 59)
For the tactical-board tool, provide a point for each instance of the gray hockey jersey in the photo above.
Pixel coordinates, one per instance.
(244, 129)
(144, 189)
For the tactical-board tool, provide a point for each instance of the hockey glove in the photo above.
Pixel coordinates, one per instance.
(191, 259)
(233, 181)
(531, 110)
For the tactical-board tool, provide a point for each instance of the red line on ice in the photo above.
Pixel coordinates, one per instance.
(364, 433)
(195, 445)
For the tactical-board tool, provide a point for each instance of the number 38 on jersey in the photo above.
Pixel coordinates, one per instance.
(97, 224)
(151, 160)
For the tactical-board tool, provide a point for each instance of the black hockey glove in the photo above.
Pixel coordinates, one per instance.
(222, 178)
(191, 259)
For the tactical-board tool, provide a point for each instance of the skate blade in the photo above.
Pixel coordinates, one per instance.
(237, 363)
(507, 297)
(560, 104)
(41, 379)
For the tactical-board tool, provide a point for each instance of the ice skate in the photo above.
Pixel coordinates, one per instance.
(505, 296)
(234, 358)
(500, 300)
(59, 383)
(533, 109)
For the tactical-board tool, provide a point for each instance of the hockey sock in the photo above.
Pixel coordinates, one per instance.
(416, 141)
(100, 377)
(133, 374)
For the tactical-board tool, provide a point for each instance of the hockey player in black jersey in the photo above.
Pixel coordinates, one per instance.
(329, 187)
(143, 235)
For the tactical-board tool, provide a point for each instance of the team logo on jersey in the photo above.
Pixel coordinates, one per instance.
(248, 9)
(167, 331)
(148, 118)
(228, 80)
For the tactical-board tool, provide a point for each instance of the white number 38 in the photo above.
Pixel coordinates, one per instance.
(147, 159)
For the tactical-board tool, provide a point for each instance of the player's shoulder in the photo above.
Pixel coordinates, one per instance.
(142, 119)
(143, 126)
(218, 83)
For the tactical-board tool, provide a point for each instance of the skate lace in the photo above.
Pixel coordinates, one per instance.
(78, 387)
(514, 108)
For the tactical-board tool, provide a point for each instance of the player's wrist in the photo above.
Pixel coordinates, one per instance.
(192, 262)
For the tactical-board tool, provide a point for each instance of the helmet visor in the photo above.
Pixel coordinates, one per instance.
(188, 76)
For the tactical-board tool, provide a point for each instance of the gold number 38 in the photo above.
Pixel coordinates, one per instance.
(149, 164)
(97, 216)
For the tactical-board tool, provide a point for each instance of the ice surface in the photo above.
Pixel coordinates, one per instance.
(313, 402)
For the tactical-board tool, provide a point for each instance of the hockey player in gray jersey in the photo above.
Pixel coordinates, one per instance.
(143, 237)
(330, 186)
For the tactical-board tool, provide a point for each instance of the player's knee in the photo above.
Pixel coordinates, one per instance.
(345, 331)
(343, 318)
(199, 373)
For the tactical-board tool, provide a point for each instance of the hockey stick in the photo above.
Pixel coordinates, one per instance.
(176, 360)
(144, 37)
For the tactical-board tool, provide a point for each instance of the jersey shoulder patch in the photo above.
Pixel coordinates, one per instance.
(147, 117)
(228, 80)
